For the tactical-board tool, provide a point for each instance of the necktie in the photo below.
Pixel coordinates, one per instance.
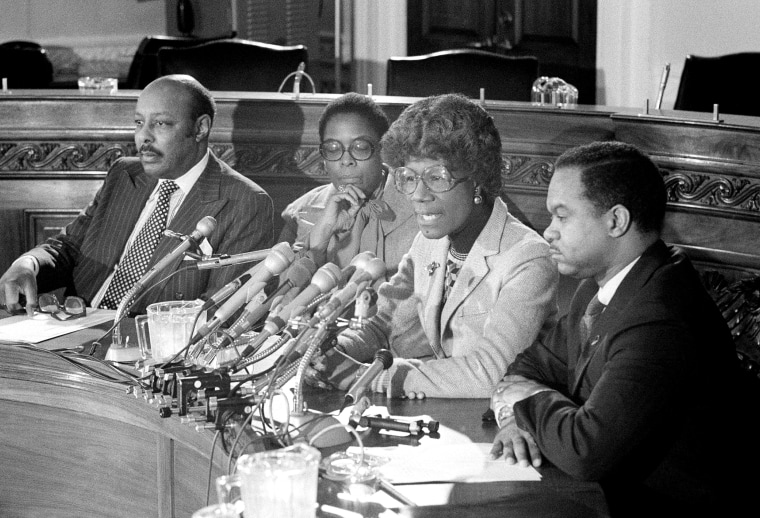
(593, 310)
(136, 261)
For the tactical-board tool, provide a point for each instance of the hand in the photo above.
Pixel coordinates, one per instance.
(339, 215)
(517, 446)
(19, 279)
(315, 375)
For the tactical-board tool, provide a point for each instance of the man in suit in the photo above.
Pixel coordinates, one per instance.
(173, 120)
(636, 387)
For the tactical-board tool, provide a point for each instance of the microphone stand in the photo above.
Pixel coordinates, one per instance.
(309, 422)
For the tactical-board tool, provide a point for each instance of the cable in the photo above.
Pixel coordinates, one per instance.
(211, 464)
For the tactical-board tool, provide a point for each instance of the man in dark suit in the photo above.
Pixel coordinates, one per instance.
(636, 385)
(173, 120)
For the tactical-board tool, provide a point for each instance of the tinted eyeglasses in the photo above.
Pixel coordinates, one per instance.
(72, 307)
(360, 149)
(436, 178)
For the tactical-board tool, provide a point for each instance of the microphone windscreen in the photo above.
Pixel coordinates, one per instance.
(206, 226)
(385, 357)
(299, 274)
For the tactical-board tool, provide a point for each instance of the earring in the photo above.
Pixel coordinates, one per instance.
(477, 199)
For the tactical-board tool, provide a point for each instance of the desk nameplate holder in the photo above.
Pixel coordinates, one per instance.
(715, 120)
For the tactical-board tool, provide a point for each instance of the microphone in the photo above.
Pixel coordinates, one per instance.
(275, 263)
(221, 261)
(373, 270)
(383, 360)
(204, 228)
(224, 292)
(297, 277)
(297, 80)
(325, 279)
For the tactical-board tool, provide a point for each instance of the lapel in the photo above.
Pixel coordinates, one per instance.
(431, 288)
(652, 259)
(476, 266)
(204, 199)
(125, 209)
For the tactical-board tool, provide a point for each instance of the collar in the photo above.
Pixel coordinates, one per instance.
(607, 291)
(187, 180)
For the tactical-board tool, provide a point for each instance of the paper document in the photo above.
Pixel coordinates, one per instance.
(41, 327)
(469, 462)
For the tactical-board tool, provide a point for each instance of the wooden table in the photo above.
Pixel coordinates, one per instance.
(76, 445)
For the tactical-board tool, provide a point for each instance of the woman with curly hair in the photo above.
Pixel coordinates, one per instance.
(477, 286)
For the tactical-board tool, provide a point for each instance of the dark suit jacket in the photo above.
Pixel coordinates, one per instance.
(82, 257)
(649, 415)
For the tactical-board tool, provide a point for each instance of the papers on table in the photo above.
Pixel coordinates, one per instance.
(431, 462)
(41, 327)
(451, 457)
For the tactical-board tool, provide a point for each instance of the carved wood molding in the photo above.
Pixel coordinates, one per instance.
(738, 196)
(528, 171)
(251, 160)
(61, 156)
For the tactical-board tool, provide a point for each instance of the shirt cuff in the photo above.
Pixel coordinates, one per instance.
(29, 261)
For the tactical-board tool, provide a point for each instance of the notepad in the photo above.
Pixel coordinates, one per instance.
(41, 327)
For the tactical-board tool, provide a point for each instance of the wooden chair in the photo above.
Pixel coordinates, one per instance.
(25, 65)
(463, 71)
(234, 64)
(715, 80)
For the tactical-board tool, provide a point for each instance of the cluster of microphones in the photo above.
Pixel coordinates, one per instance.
(285, 295)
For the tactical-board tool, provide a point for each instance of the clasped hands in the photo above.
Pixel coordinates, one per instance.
(516, 445)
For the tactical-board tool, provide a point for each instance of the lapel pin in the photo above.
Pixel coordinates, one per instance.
(432, 267)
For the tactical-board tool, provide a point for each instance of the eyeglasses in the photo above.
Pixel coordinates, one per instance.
(436, 178)
(360, 149)
(73, 307)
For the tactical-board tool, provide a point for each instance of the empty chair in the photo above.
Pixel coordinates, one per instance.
(144, 66)
(234, 64)
(463, 71)
(715, 80)
(25, 65)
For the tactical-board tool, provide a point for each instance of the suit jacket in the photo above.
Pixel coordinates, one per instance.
(649, 413)
(82, 257)
(389, 241)
(503, 299)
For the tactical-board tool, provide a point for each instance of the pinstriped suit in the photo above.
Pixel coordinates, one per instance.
(82, 257)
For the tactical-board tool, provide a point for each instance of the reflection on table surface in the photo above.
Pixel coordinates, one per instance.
(31, 380)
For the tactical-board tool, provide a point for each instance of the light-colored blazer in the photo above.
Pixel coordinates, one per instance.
(397, 226)
(503, 299)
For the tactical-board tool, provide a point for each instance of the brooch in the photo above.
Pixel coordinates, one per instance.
(432, 267)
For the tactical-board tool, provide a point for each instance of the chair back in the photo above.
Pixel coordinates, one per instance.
(712, 80)
(25, 65)
(234, 64)
(464, 71)
(144, 66)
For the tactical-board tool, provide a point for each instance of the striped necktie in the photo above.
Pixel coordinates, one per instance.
(593, 310)
(136, 261)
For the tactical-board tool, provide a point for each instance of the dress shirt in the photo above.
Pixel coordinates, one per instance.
(607, 291)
